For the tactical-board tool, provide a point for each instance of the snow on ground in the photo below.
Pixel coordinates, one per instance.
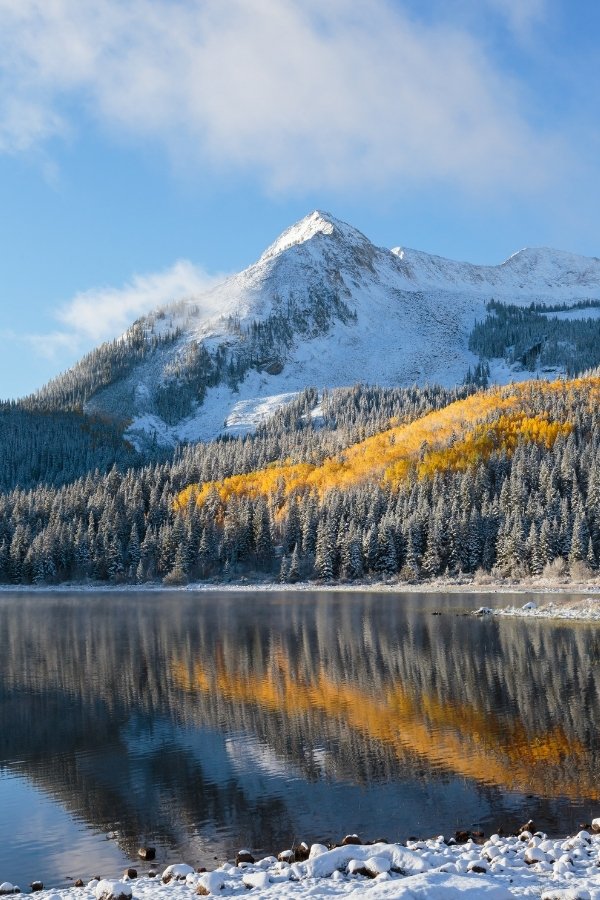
(501, 868)
(540, 274)
(582, 609)
(246, 415)
(223, 412)
(502, 373)
(572, 591)
(586, 312)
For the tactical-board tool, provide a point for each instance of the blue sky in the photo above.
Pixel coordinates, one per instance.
(148, 147)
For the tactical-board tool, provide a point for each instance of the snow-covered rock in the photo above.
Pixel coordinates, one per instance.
(113, 890)
(378, 865)
(356, 867)
(535, 855)
(400, 858)
(212, 882)
(477, 865)
(256, 879)
(448, 872)
(176, 872)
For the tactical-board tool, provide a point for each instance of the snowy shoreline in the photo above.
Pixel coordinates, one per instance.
(585, 609)
(312, 587)
(502, 867)
(589, 591)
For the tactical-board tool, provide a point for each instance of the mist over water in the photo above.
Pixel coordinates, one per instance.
(203, 723)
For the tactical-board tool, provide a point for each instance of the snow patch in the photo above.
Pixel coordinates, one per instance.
(313, 224)
(576, 314)
(246, 415)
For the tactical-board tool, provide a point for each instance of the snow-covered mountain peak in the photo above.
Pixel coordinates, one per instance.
(549, 267)
(549, 256)
(322, 307)
(317, 223)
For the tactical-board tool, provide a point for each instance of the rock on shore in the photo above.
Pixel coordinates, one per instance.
(500, 868)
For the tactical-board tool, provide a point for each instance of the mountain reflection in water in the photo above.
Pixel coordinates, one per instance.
(201, 723)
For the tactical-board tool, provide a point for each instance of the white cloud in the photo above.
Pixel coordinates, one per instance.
(103, 313)
(521, 15)
(308, 94)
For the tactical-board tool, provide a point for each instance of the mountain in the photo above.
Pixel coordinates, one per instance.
(322, 307)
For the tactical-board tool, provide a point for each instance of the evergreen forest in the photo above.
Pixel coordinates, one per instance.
(356, 484)
(540, 337)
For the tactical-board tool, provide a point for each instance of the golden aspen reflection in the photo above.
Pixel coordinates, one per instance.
(388, 690)
(457, 736)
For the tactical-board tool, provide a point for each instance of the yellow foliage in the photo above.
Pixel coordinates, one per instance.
(458, 736)
(451, 439)
(485, 439)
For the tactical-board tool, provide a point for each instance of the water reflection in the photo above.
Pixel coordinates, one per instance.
(203, 723)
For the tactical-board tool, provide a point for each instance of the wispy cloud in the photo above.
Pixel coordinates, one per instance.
(520, 15)
(103, 313)
(306, 94)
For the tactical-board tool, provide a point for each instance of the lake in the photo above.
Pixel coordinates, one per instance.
(203, 723)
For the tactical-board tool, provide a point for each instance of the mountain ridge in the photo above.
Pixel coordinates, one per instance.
(323, 306)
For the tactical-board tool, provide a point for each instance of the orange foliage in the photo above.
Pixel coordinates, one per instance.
(451, 439)
(456, 735)
(485, 439)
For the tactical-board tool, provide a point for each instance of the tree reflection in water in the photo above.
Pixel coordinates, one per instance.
(204, 722)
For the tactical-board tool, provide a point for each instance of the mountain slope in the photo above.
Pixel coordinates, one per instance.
(457, 437)
(322, 306)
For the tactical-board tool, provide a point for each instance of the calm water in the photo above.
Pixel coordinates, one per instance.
(201, 724)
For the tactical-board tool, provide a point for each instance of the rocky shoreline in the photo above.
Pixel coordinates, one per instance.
(468, 866)
(581, 609)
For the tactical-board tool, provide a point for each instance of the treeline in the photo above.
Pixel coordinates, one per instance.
(55, 448)
(513, 512)
(110, 362)
(536, 339)
(260, 344)
(83, 528)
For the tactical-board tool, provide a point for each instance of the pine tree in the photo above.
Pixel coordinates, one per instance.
(262, 533)
(412, 568)
(324, 553)
(284, 570)
(387, 561)
(370, 549)
(294, 569)
(534, 551)
(133, 551)
(579, 539)
(590, 556)
(114, 560)
(432, 555)
(178, 573)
